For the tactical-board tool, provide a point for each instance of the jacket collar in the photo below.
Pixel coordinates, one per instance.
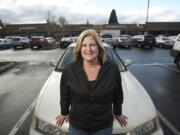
(82, 74)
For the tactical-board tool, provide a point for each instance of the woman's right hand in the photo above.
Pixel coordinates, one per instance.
(60, 119)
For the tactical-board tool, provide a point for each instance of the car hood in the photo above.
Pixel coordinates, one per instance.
(137, 105)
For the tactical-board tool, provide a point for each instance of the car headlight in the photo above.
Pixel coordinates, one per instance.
(147, 128)
(46, 128)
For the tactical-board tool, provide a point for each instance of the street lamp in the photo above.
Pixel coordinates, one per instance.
(147, 16)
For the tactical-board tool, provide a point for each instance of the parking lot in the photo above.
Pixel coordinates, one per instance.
(20, 86)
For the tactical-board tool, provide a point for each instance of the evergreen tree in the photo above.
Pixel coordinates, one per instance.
(113, 18)
(1, 24)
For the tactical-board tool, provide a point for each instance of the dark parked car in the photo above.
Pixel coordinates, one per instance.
(146, 40)
(149, 40)
(66, 41)
(38, 42)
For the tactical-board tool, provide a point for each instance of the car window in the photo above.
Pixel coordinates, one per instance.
(106, 36)
(35, 38)
(112, 56)
(164, 38)
(178, 39)
(16, 39)
(24, 38)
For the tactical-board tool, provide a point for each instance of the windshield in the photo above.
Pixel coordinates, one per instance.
(67, 58)
(165, 38)
(16, 39)
(106, 36)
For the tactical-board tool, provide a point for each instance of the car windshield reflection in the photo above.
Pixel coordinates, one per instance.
(111, 55)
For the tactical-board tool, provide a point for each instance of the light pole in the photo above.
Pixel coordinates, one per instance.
(147, 17)
(61, 25)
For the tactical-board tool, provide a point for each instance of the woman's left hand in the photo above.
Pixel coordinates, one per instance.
(122, 119)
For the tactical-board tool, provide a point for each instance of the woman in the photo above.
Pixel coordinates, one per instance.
(89, 87)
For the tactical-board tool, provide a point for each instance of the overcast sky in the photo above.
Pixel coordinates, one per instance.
(95, 11)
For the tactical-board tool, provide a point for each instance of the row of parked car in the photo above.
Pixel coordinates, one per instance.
(139, 41)
(24, 42)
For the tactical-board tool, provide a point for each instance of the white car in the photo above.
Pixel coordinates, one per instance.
(137, 105)
(50, 40)
(164, 42)
(6, 42)
(175, 52)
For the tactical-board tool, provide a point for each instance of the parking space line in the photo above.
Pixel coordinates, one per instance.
(22, 119)
(168, 124)
(150, 64)
(163, 65)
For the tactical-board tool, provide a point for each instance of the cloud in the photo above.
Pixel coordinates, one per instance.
(77, 11)
(162, 14)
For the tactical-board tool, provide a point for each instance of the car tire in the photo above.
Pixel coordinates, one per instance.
(139, 45)
(178, 62)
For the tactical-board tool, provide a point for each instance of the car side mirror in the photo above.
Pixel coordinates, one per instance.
(53, 63)
(128, 62)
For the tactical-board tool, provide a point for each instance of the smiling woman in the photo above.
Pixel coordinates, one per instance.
(86, 91)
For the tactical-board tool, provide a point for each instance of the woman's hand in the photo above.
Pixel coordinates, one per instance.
(60, 119)
(122, 119)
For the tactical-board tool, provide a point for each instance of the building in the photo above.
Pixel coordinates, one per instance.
(169, 28)
(55, 30)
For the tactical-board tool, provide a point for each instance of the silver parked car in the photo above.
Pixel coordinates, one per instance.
(125, 41)
(137, 105)
(22, 42)
(6, 42)
(50, 40)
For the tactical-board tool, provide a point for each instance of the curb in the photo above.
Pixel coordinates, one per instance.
(7, 66)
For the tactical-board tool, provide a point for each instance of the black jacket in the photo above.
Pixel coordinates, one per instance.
(91, 109)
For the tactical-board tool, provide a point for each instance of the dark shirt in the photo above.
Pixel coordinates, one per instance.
(90, 104)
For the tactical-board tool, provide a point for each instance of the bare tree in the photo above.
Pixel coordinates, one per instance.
(50, 18)
(53, 19)
(87, 22)
(62, 20)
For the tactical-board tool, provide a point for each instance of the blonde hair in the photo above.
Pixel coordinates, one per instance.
(101, 50)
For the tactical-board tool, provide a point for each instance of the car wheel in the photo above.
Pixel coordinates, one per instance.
(178, 62)
(139, 45)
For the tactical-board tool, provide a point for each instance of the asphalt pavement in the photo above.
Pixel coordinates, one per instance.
(21, 84)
